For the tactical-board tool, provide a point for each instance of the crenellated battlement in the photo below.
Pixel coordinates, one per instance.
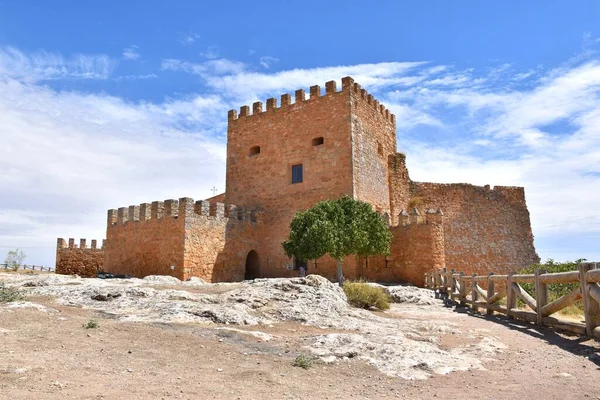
(415, 217)
(183, 207)
(73, 259)
(348, 85)
(63, 244)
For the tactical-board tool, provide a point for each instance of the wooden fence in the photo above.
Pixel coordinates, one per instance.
(27, 267)
(468, 290)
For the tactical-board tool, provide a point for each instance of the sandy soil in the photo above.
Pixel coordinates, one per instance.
(45, 353)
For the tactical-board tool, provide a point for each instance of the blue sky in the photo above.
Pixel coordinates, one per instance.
(106, 104)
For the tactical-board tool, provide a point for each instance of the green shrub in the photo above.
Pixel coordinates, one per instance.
(363, 295)
(303, 361)
(9, 294)
(91, 324)
(559, 289)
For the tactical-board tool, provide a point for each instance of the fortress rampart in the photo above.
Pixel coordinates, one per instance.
(182, 238)
(79, 260)
(486, 228)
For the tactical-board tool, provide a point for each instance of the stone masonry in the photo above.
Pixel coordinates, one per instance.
(79, 260)
(284, 159)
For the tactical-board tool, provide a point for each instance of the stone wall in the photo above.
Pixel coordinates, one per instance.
(399, 184)
(373, 141)
(181, 238)
(418, 245)
(289, 135)
(145, 240)
(218, 239)
(79, 260)
(485, 229)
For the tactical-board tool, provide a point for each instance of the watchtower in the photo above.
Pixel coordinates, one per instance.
(288, 158)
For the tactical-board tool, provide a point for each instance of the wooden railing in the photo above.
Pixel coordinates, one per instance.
(486, 292)
(27, 267)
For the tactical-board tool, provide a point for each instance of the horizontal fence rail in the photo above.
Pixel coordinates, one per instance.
(26, 268)
(488, 291)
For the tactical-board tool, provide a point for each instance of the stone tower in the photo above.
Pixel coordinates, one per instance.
(290, 157)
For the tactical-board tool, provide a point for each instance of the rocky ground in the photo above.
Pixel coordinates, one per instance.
(159, 337)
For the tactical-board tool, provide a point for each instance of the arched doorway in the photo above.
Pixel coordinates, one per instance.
(252, 266)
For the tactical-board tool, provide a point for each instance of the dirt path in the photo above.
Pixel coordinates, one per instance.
(47, 354)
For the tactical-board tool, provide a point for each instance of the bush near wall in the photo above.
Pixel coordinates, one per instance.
(361, 294)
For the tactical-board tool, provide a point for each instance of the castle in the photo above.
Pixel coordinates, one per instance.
(286, 158)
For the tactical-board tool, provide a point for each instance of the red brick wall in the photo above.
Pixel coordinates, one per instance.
(79, 260)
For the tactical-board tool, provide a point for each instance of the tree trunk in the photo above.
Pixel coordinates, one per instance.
(340, 274)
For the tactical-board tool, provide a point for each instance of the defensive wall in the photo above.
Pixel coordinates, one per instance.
(486, 229)
(79, 260)
(181, 238)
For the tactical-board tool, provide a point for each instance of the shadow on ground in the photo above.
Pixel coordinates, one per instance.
(578, 345)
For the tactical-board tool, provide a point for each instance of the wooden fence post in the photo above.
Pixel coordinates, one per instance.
(591, 306)
(452, 284)
(444, 282)
(463, 289)
(541, 294)
(490, 293)
(474, 294)
(511, 299)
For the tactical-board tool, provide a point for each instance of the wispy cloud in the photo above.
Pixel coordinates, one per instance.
(42, 65)
(217, 67)
(131, 53)
(211, 52)
(189, 38)
(267, 61)
(134, 77)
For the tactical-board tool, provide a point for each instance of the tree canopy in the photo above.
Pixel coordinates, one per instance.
(339, 228)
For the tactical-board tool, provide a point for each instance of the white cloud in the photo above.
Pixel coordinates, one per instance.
(44, 65)
(267, 61)
(131, 53)
(68, 157)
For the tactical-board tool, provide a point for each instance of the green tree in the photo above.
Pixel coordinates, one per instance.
(14, 259)
(339, 227)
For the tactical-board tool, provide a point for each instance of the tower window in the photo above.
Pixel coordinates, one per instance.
(297, 173)
(379, 148)
(318, 141)
(254, 150)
